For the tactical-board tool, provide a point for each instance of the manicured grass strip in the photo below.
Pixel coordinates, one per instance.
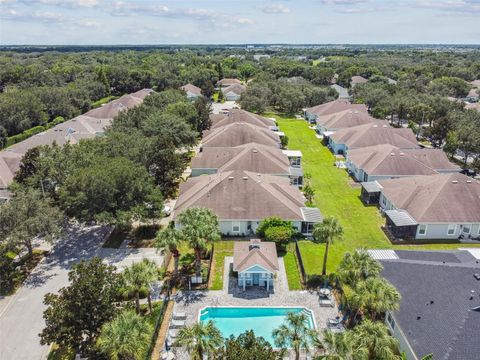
(293, 274)
(222, 248)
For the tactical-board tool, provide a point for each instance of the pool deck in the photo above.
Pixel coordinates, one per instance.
(191, 302)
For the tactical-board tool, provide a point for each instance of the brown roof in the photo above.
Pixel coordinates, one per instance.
(247, 254)
(475, 83)
(9, 164)
(345, 119)
(375, 134)
(235, 88)
(195, 90)
(358, 80)
(444, 198)
(387, 159)
(238, 115)
(113, 108)
(473, 92)
(334, 107)
(238, 134)
(473, 106)
(242, 195)
(228, 82)
(251, 157)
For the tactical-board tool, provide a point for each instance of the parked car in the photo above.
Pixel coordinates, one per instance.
(469, 172)
(167, 210)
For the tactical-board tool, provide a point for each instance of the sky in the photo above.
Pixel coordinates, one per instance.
(112, 22)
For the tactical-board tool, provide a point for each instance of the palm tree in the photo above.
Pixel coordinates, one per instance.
(374, 296)
(375, 337)
(200, 339)
(199, 228)
(138, 276)
(126, 337)
(170, 238)
(326, 232)
(340, 346)
(295, 333)
(357, 266)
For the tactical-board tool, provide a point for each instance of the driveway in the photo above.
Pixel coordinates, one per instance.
(21, 315)
(218, 107)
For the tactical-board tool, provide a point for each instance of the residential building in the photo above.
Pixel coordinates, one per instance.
(242, 199)
(236, 134)
(445, 206)
(250, 157)
(357, 80)
(376, 133)
(193, 92)
(237, 116)
(256, 263)
(328, 124)
(387, 161)
(473, 95)
(227, 82)
(440, 306)
(233, 92)
(313, 114)
(86, 126)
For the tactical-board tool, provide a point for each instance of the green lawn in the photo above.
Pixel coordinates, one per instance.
(335, 196)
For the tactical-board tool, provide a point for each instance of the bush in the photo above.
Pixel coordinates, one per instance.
(273, 221)
(280, 235)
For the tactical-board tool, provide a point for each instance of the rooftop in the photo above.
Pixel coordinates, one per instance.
(334, 107)
(375, 133)
(238, 115)
(228, 82)
(444, 198)
(345, 119)
(235, 88)
(439, 310)
(195, 90)
(247, 254)
(251, 157)
(236, 134)
(387, 159)
(242, 195)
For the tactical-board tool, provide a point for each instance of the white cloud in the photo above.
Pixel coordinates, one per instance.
(276, 8)
(85, 23)
(65, 3)
(124, 8)
(48, 17)
(343, 2)
(451, 6)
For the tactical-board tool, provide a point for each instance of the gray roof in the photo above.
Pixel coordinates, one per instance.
(371, 186)
(436, 311)
(400, 218)
(342, 92)
(312, 215)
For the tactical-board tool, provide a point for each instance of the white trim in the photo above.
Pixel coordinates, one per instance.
(451, 227)
(425, 231)
(234, 225)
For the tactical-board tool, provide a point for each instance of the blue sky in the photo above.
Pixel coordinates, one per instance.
(87, 22)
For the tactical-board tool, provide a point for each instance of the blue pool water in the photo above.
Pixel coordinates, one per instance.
(262, 320)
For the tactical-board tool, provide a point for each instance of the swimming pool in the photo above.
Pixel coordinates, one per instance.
(262, 320)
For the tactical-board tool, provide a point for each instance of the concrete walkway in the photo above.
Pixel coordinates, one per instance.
(21, 315)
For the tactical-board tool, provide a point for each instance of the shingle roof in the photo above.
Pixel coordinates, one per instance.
(357, 79)
(387, 159)
(251, 157)
(436, 311)
(334, 107)
(345, 119)
(475, 83)
(235, 88)
(247, 254)
(238, 115)
(85, 126)
(444, 198)
(9, 164)
(238, 134)
(242, 195)
(228, 82)
(375, 134)
(195, 90)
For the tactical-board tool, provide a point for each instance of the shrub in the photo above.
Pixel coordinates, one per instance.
(280, 235)
(271, 222)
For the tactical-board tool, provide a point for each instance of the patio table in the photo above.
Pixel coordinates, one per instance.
(325, 292)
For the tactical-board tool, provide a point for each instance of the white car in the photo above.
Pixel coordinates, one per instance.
(167, 210)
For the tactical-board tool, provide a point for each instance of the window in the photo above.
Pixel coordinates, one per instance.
(236, 226)
(295, 161)
(390, 321)
(295, 180)
(384, 201)
(466, 229)
(451, 229)
(422, 229)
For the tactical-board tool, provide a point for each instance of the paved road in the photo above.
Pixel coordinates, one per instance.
(21, 316)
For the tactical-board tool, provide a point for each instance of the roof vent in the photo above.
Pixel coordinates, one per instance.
(231, 178)
(476, 276)
(384, 126)
(253, 246)
(255, 151)
(419, 317)
(454, 181)
(469, 181)
(392, 154)
(245, 178)
(375, 125)
(401, 154)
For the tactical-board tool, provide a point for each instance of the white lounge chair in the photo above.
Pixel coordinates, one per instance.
(175, 324)
(179, 315)
(326, 303)
(173, 333)
(167, 355)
